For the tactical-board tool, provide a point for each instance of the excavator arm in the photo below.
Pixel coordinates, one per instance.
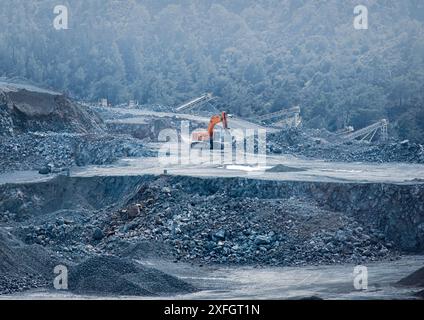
(215, 120)
(204, 136)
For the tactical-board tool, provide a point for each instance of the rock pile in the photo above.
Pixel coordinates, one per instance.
(45, 131)
(37, 150)
(23, 267)
(415, 279)
(301, 143)
(116, 276)
(24, 109)
(221, 229)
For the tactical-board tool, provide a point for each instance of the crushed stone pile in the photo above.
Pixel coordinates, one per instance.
(283, 168)
(32, 151)
(112, 275)
(416, 279)
(324, 145)
(25, 109)
(22, 266)
(44, 130)
(226, 230)
(166, 219)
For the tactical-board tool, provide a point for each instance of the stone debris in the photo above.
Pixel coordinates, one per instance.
(320, 144)
(40, 151)
(23, 267)
(46, 131)
(111, 275)
(226, 230)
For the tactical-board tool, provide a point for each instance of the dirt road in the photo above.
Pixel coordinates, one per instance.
(314, 170)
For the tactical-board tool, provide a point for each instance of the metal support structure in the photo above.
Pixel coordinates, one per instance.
(289, 118)
(278, 114)
(368, 133)
(195, 103)
(384, 131)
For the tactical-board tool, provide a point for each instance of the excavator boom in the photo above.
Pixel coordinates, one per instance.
(205, 136)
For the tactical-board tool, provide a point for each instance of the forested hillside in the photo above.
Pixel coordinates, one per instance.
(257, 56)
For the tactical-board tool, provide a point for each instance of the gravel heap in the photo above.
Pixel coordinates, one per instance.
(22, 266)
(213, 229)
(59, 150)
(225, 230)
(112, 275)
(415, 279)
(69, 235)
(326, 146)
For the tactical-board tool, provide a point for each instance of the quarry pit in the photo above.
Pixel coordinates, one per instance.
(127, 225)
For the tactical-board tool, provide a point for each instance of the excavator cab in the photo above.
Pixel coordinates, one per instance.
(204, 137)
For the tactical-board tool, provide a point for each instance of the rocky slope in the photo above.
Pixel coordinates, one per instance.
(226, 221)
(40, 129)
(26, 109)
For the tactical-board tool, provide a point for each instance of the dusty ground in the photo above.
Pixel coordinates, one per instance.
(316, 170)
(326, 282)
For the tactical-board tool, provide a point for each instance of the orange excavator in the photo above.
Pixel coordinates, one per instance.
(201, 137)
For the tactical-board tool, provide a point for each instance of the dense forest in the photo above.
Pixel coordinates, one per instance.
(257, 56)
